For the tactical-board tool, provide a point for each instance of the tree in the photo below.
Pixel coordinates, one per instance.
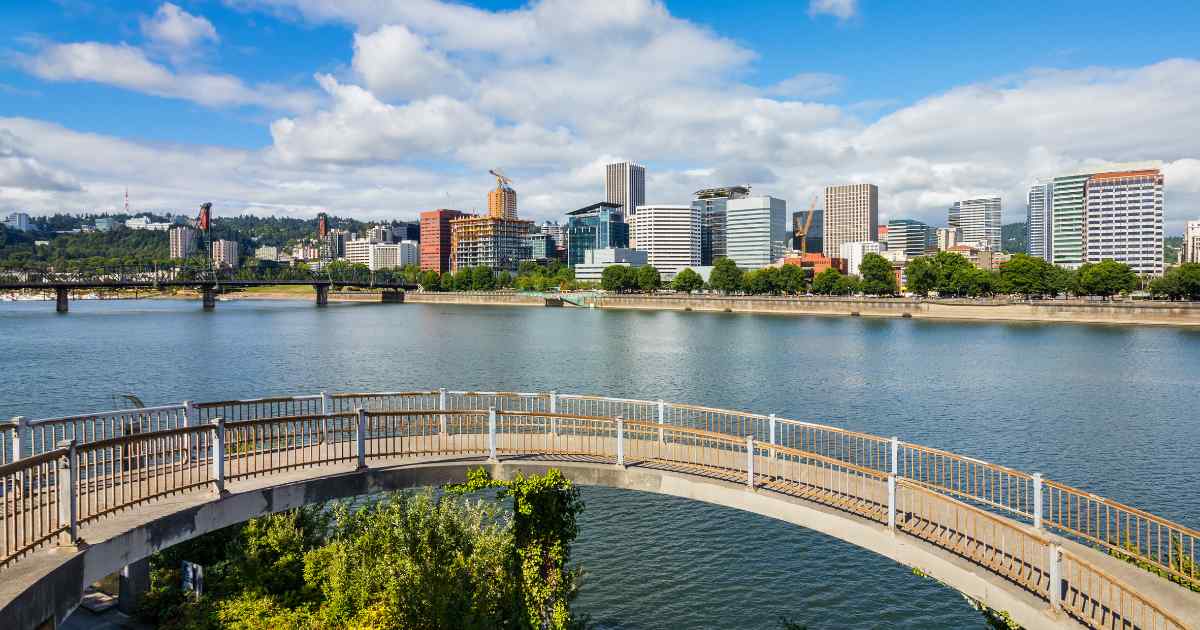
(763, 281)
(687, 281)
(648, 278)
(922, 275)
(616, 278)
(504, 279)
(725, 276)
(848, 285)
(482, 279)
(877, 275)
(1180, 283)
(1106, 278)
(791, 279)
(447, 281)
(826, 282)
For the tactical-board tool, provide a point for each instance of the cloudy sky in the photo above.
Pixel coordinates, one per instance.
(383, 108)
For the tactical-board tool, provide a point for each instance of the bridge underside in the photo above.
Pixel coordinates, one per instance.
(48, 586)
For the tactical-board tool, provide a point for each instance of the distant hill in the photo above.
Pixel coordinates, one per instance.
(1014, 238)
(1171, 247)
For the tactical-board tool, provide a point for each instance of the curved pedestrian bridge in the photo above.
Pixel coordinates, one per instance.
(85, 495)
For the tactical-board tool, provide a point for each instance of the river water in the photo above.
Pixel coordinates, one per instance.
(1110, 409)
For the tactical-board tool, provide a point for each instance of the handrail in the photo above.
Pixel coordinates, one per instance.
(117, 412)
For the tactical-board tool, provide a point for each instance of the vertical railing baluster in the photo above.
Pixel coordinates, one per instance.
(491, 434)
(68, 495)
(750, 461)
(361, 438)
(621, 441)
(218, 456)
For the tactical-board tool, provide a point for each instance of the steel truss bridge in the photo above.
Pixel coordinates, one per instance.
(83, 495)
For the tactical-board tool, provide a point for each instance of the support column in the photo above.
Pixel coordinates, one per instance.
(322, 294)
(210, 297)
(133, 585)
(60, 299)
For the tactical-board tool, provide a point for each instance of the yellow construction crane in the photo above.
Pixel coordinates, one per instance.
(802, 232)
(502, 180)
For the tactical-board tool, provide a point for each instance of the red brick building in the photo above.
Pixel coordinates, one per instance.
(435, 239)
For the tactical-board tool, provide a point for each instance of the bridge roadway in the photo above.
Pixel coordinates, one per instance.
(188, 470)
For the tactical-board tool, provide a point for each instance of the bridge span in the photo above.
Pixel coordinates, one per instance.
(84, 496)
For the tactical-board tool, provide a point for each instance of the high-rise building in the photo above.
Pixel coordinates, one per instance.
(908, 236)
(1066, 220)
(541, 246)
(488, 241)
(814, 239)
(406, 231)
(598, 226)
(435, 239)
(379, 234)
(625, 185)
(18, 221)
(1124, 219)
(1039, 210)
(670, 236)
(183, 242)
(947, 237)
(979, 220)
(1191, 243)
(225, 253)
(333, 245)
(711, 202)
(376, 255)
(853, 254)
(756, 230)
(851, 216)
(502, 202)
(322, 225)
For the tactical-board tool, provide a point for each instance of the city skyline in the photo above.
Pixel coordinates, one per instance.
(212, 122)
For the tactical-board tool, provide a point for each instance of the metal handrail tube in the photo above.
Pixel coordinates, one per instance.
(1094, 609)
(118, 412)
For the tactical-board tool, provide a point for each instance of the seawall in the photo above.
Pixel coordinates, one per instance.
(479, 298)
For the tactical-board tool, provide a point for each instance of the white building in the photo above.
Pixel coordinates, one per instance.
(851, 216)
(379, 234)
(670, 236)
(595, 260)
(853, 253)
(909, 236)
(267, 252)
(945, 238)
(18, 221)
(756, 231)
(1191, 243)
(1124, 219)
(378, 256)
(183, 242)
(1038, 213)
(625, 184)
(144, 223)
(225, 253)
(979, 220)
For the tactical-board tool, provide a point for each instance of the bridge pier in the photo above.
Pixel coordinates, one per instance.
(60, 298)
(133, 584)
(210, 297)
(391, 297)
(322, 294)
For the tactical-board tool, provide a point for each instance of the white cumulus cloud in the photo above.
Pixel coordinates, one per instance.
(173, 27)
(840, 9)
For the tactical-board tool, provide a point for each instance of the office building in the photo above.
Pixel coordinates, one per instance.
(435, 239)
(598, 226)
(225, 253)
(947, 237)
(377, 256)
(105, 224)
(1124, 219)
(306, 251)
(557, 232)
(18, 221)
(1066, 220)
(670, 236)
(591, 269)
(333, 244)
(502, 201)
(853, 253)
(625, 185)
(814, 239)
(851, 216)
(379, 234)
(541, 246)
(1191, 243)
(979, 220)
(756, 230)
(489, 241)
(1038, 213)
(266, 252)
(908, 236)
(405, 231)
(183, 242)
(144, 223)
(711, 203)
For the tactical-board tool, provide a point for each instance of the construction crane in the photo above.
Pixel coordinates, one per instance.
(802, 232)
(502, 180)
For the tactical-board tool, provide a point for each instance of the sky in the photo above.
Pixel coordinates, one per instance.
(379, 109)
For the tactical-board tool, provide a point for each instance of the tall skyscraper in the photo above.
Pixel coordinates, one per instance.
(598, 226)
(1066, 221)
(947, 237)
(979, 220)
(814, 240)
(435, 239)
(711, 204)
(1191, 242)
(756, 230)
(670, 236)
(502, 202)
(908, 236)
(225, 253)
(625, 184)
(1038, 216)
(183, 242)
(1124, 219)
(851, 216)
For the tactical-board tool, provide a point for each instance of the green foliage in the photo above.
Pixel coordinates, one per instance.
(826, 282)
(482, 279)
(1180, 283)
(1014, 238)
(687, 281)
(763, 281)
(1179, 561)
(792, 280)
(922, 275)
(551, 276)
(648, 278)
(848, 285)
(725, 276)
(619, 278)
(1030, 276)
(1105, 278)
(877, 275)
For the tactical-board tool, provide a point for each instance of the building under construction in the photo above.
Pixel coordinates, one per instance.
(497, 240)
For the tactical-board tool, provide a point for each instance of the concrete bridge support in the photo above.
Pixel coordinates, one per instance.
(322, 294)
(60, 297)
(392, 297)
(210, 297)
(133, 585)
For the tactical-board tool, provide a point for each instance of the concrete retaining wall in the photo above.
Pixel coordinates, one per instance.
(476, 298)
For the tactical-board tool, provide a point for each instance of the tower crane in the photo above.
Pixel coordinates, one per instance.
(502, 180)
(802, 232)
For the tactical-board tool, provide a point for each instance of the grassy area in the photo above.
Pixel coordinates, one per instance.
(299, 290)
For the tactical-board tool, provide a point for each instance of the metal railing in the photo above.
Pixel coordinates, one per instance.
(990, 514)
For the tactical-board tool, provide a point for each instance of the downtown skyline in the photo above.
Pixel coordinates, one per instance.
(180, 113)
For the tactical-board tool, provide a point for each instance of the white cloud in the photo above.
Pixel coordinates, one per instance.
(176, 29)
(20, 172)
(394, 62)
(840, 9)
(809, 85)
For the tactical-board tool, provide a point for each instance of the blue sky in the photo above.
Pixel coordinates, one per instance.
(387, 108)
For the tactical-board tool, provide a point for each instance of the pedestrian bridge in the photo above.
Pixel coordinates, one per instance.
(84, 496)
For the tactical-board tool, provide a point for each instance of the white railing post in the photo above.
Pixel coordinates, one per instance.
(892, 501)
(553, 409)
(20, 431)
(750, 461)
(1037, 500)
(621, 441)
(772, 436)
(218, 456)
(326, 410)
(68, 495)
(491, 434)
(662, 418)
(361, 436)
(191, 418)
(442, 407)
(895, 455)
(1055, 562)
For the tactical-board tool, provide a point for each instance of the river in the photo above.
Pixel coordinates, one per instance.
(1110, 409)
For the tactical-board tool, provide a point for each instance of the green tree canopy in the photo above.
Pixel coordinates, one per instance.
(725, 276)
(826, 282)
(482, 279)
(687, 281)
(877, 275)
(648, 278)
(1180, 283)
(1106, 278)
(792, 279)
